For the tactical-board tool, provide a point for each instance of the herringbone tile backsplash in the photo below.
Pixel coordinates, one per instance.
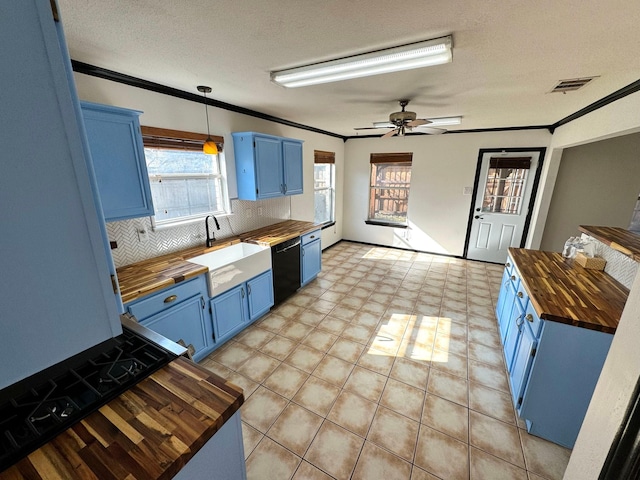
(245, 217)
(619, 266)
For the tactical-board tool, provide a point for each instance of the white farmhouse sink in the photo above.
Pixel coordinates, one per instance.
(230, 266)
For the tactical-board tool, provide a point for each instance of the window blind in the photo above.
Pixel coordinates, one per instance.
(391, 157)
(320, 156)
(164, 138)
(510, 162)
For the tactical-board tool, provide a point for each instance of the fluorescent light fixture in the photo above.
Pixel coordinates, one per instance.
(405, 57)
(435, 122)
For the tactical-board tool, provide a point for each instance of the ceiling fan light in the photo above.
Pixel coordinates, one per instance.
(405, 57)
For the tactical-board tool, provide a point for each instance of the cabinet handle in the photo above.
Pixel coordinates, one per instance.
(529, 317)
(519, 321)
(520, 295)
(242, 292)
(285, 188)
(202, 302)
(170, 298)
(282, 188)
(248, 289)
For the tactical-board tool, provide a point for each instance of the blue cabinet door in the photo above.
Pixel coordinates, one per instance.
(522, 360)
(229, 311)
(185, 321)
(292, 166)
(260, 295)
(118, 159)
(268, 157)
(504, 289)
(311, 261)
(507, 309)
(514, 331)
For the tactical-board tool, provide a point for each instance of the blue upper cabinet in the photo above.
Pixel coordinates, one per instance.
(267, 166)
(118, 159)
(292, 166)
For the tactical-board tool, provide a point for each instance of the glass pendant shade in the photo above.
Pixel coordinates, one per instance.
(210, 147)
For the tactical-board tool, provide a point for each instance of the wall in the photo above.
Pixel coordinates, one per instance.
(442, 166)
(169, 112)
(622, 367)
(597, 184)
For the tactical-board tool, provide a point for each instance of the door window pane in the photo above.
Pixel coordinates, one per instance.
(504, 190)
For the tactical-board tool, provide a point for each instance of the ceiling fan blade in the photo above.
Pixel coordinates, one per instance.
(432, 130)
(367, 128)
(390, 133)
(417, 122)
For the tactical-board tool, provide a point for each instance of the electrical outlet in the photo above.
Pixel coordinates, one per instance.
(143, 235)
(260, 211)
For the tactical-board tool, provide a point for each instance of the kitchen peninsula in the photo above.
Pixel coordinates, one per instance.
(150, 431)
(556, 321)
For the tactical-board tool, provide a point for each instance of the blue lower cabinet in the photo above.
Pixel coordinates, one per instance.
(179, 313)
(513, 332)
(235, 309)
(521, 364)
(311, 256)
(185, 321)
(260, 295)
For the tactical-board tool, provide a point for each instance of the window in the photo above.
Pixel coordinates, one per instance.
(186, 184)
(506, 181)
(324, 186)
(389, 188)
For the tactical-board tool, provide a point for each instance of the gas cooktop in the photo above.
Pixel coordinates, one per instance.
(40, 407)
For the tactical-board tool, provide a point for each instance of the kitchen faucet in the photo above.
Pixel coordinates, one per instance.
(211, 239)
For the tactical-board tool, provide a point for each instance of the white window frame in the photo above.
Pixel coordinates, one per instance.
(331, 188)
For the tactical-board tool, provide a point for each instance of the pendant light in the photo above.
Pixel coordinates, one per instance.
(209, 146)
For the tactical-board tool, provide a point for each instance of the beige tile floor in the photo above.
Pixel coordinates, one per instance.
(388, 366)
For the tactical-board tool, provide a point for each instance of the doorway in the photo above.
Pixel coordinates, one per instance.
(503, 196)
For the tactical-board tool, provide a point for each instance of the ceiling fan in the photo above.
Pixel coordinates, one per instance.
(402, 122)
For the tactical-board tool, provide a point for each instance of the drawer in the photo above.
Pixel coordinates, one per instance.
(509, 264)
(521, 295)
(533, 320)
(310, 237)
(167, 298)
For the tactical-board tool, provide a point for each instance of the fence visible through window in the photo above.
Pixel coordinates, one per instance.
(505, 185)
(389, 192)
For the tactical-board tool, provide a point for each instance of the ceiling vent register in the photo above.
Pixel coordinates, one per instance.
(571, 84)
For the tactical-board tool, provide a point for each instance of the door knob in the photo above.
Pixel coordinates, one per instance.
(478, 217)
(478, 209)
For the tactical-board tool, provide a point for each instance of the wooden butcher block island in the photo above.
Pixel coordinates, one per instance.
(556, 322)
(149, 432)
(563, 291)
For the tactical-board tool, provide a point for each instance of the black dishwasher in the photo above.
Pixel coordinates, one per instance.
(285, 260)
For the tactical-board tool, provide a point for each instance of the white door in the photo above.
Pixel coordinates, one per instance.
(501, 204)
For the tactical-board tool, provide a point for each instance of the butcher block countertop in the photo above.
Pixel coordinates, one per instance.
(563, 291)
(619, 239)
(149, 432)
(148, 276)
(278, 233)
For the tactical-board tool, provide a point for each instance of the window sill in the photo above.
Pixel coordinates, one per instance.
(386, 224)
(328, 224)
(181, 223)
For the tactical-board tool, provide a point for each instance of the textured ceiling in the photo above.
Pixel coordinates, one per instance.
(507, 54)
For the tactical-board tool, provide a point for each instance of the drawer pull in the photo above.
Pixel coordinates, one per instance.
(312, 236)
(170, 298)
(520, 295)
(529, 317)
(513, 277)
(508, 264)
